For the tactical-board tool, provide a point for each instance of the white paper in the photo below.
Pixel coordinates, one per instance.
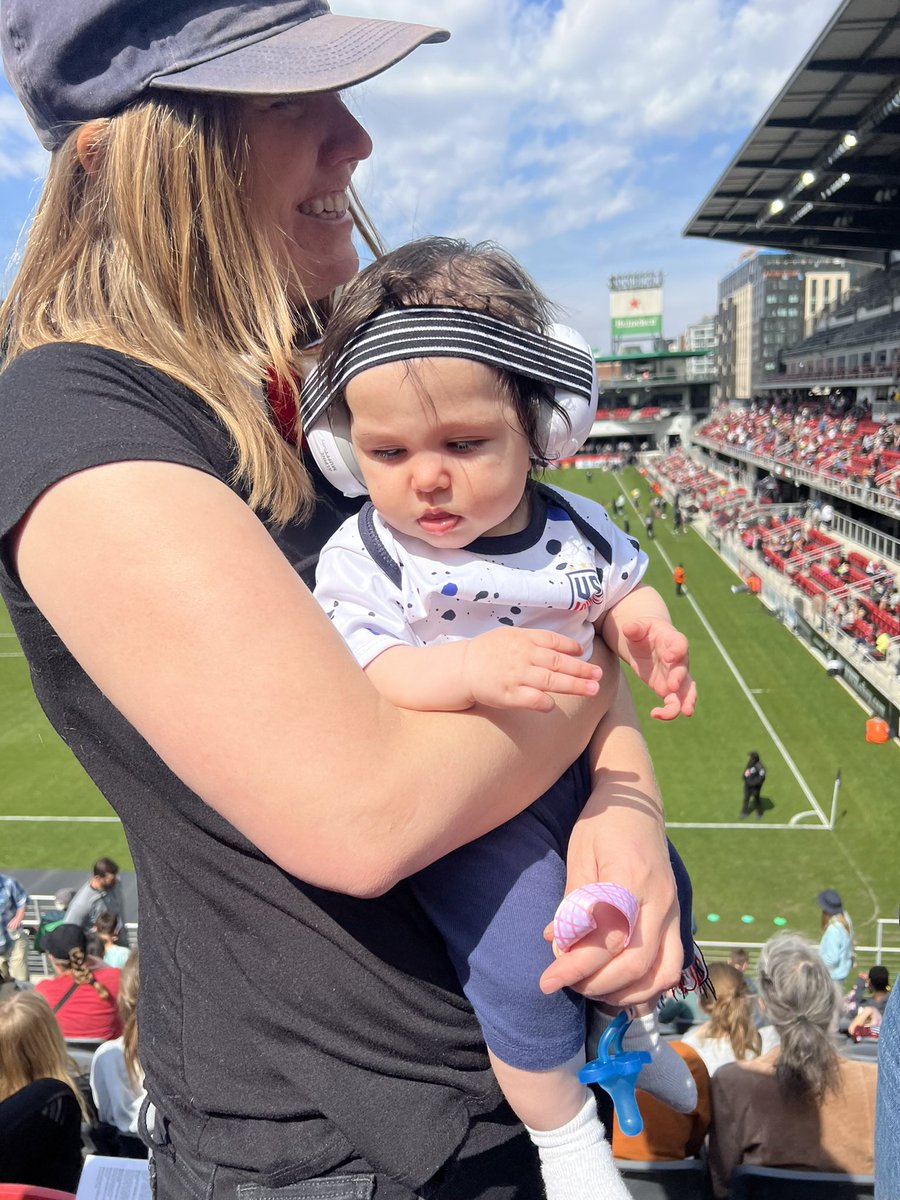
(114, 1179)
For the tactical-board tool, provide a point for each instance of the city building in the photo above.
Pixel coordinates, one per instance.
(769, 302)
(700, 336)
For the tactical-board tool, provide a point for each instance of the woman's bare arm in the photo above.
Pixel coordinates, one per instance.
(621, 838)
(179, 605)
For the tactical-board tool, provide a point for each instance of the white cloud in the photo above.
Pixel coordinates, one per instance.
(21, 156)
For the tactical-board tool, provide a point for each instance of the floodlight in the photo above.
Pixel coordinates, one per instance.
(776, 207)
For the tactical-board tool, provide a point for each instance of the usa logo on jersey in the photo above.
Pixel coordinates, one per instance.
(586, 588)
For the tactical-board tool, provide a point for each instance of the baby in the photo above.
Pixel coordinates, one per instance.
(441, 387)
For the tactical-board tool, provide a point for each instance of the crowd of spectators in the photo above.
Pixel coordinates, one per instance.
(772, 1085)
(70, 1080)
(854, 595)
(840, 446)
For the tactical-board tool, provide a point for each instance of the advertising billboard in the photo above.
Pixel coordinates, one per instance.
(636, 312)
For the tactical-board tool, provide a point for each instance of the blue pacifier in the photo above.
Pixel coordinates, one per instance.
(616, 1070)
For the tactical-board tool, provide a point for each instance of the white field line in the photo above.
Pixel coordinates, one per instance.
(751, 699)
(748, 824)
(851, 862)
(66, 820)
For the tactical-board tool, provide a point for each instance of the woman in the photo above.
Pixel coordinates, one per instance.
(40, 1108)
(299, 1017)
(108, 927)
(836, 945)
(730, 1035)
(117, 1081)
(83, 992)
(801, 1104)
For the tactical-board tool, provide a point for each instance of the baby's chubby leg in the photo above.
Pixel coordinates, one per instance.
(666, 1076)
(560, 1114)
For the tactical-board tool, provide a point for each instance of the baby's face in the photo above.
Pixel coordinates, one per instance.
(441, 450)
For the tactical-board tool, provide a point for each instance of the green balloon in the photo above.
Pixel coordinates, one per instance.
(748, 920)
(712, 916)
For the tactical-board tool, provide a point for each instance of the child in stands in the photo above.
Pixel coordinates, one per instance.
(439, 391)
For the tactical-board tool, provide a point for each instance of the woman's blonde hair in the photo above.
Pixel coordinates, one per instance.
(155, 252)
(31, 1046)
(731, 1012)
(127, 999)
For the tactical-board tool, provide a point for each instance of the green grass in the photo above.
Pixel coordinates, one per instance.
(41, 777)
(750, 871)
(746, 871)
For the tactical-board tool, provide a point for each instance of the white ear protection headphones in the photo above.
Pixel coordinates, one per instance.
(559, 356)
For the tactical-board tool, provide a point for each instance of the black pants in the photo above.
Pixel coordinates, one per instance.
(496, 1162)
(752, 799)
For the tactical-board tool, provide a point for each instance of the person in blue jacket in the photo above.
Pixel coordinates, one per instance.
(836, 945)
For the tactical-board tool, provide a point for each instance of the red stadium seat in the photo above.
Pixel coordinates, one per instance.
(29, 1191)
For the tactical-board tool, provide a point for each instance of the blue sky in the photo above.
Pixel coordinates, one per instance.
(580, 134)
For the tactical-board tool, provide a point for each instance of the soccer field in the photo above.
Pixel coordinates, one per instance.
(759, 689)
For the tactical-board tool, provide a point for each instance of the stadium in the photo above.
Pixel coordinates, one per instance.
(776, 497)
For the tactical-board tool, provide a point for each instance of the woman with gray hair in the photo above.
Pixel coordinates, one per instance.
(801, 1104)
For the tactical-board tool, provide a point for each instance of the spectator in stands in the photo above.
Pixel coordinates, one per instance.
(83, 992)
(40, 1108)
(836, 945)
(107, 927)
(740, 960)
(730, 1034)
(153, 496)
(869, 1009)
(101, 893)
(117, 1081)
(13, 939)
(800, 1104)
(668, 1135)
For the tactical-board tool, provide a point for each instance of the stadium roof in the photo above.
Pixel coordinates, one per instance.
(820, 173)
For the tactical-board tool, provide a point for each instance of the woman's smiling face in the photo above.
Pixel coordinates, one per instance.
(303, 152)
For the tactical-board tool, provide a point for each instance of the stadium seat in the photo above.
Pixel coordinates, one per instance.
(772, 1183)
(28, 1191)
(866, 1051)
(684, 1180)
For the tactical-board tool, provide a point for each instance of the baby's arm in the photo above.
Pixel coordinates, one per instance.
(639, 630)
(505, 668)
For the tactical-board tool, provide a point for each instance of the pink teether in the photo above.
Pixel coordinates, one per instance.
(575, 916)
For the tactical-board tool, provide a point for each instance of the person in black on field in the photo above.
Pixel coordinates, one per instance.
(754, 777)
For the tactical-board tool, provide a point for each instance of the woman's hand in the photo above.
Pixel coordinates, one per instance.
(620, 838)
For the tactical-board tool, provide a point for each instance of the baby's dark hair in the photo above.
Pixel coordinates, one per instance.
(436, 272)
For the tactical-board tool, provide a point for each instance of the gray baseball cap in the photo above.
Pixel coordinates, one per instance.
(69, 61)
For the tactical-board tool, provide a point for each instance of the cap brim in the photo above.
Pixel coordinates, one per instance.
(321, 54)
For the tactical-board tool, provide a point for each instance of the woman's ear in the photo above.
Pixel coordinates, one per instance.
(88, 145)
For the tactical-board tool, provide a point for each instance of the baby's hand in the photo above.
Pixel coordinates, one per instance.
(522, 668)
(658, 654)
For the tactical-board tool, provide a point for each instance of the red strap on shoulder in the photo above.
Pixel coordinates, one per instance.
(283, 406)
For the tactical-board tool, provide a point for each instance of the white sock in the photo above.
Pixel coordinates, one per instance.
(666, 1076)
(577, 1161)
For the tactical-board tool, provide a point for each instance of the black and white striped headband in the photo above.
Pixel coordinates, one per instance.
(406, 333)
